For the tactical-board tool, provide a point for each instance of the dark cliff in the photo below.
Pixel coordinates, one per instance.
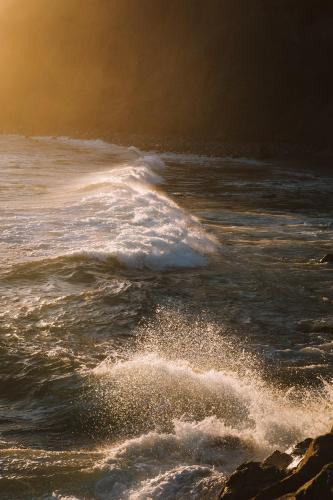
(209, 70)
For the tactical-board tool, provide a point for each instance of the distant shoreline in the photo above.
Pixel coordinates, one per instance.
(246, 149)
(255, 150)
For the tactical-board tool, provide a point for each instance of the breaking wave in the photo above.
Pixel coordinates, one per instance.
(146, 228)
(194, 405)
(117, 212)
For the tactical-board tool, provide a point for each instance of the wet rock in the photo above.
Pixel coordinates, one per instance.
(249, 479)
(321, 486)
(278, 460)
(300, 448)
(311, 479)
(318, 454)
(327, 258)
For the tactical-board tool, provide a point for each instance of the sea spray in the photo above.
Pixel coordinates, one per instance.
(188, 393)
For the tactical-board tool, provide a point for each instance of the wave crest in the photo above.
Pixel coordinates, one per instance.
(207, 406)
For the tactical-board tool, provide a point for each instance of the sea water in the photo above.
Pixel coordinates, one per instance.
(163, 317)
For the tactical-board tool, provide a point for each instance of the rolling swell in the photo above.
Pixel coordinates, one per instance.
(114, 213)
(150, 230)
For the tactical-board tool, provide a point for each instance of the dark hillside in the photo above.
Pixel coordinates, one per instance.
(217, 70)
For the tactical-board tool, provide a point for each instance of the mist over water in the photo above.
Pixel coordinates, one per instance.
(195, 402)
(159, 326)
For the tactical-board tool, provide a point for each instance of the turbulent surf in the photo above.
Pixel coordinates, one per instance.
(159, 325)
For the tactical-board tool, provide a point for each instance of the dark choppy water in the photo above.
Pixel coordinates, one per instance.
(162, 319)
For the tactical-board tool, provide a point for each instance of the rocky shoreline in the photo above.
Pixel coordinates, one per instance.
(304, 473)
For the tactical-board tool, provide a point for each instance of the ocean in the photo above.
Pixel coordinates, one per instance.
(163, 317)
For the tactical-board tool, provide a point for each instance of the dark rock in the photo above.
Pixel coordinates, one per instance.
(278, 460)
(327, 258)
(318, 454)
(300, 448)
(321, 486)
(249, 479)
(311, 479)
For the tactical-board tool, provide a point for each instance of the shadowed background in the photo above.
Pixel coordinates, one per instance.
(225, 70)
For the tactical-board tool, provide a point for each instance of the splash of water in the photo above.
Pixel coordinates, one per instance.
(189, 395)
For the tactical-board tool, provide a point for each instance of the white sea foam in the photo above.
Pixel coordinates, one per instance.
(245, 406)
(195, 482)
(125, 174)
(152, 464)
(207, 405)
(79, 143)
(111, 212)
(139, 226)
